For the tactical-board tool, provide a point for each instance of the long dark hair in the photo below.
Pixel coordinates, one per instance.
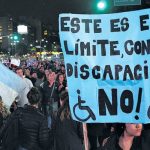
(64, 111)
(119, 128)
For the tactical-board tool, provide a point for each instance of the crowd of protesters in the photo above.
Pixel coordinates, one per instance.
(45, 121)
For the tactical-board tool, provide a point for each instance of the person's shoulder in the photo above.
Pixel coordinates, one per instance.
(18, 110)
(44, 84)
(40, 114)
(32, 112)
(27, 80)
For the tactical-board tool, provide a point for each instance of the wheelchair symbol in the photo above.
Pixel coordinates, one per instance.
(87, 108)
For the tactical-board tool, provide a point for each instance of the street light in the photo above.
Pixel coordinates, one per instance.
(102, 5)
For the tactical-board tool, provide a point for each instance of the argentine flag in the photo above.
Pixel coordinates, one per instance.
(11, 85)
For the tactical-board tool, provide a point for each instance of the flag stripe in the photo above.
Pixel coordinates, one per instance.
(8, 94)
(10, 79)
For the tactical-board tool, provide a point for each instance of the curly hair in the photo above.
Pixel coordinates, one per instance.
(3, 110)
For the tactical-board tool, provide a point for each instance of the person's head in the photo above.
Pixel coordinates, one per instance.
(51, 77)
(19, 72)
(34, 74)
(27, 72)
(62, 69)
(34, 96)
(40, 75)
(64, 98)
(42, 68)
(46, 73)
(132, 129)
(60, 78)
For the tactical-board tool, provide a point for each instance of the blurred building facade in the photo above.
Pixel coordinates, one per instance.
(8, 27)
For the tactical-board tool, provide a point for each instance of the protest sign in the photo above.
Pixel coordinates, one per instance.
(15, 62)
(107, 59)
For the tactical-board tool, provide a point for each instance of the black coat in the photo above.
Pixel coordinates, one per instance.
(113, 140)
(34, 133)
(68, 135)
(49, 92)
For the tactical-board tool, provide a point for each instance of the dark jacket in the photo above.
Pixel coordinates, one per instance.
(49, 92)
(68, 134)
(113, 140)
(34, 133)
(9, 132)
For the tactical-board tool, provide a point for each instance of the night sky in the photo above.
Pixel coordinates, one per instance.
(49, 10)
(43, 8)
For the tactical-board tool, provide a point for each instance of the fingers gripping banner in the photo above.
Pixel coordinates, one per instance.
(107, 59)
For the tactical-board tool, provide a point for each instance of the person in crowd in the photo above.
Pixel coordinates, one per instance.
(31, 128)
(27, 73)
(127, 138)
(97, 132)
(34, 132)
(50, 97)
(3, 112)
(61, 82)
(33, 77)
(47, 72)
(56, 66)
(68, 133)
(41, 68)
(13, 106)
(40, 79)
(62, 69)
(28, 84)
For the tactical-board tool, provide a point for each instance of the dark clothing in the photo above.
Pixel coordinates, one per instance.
(93, 141)
(68, 134)
(9, 133)
(34, 133)
(50, 99)
(33, 80)
(49, 92)
(98, 129)
(30, 128)
(38, 83)
(146, 137)
(62, 88)
(97, 132)
(113, 140)
(1, 120)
